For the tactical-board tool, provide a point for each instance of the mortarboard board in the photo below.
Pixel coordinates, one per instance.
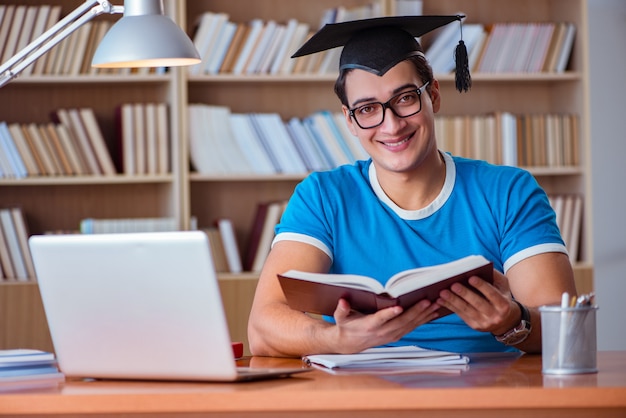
(378, 44)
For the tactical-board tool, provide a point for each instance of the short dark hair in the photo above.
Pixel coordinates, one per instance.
(423, 68)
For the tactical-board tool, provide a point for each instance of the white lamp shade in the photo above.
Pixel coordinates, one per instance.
(151, 40)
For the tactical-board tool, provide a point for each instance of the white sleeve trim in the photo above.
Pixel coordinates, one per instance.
(293, 236)
(529, 252)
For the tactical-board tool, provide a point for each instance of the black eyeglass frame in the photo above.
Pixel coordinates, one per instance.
(387, 105)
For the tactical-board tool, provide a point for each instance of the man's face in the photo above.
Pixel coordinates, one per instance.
(398, 144)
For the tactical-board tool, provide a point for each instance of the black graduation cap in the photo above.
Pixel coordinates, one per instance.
(378, 44)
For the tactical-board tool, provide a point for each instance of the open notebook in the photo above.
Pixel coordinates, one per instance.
(137, 306)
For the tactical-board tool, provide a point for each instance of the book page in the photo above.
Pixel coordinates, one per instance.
(353, 281)
(409, 280)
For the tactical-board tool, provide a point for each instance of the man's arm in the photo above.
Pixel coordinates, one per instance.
(274, 329)
(536, 281)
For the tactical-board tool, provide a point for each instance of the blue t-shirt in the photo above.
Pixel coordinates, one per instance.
(499, 212)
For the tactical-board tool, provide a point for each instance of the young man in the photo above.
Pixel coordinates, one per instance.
(409, 206)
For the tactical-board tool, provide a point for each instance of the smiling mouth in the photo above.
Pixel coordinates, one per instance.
(396, 144)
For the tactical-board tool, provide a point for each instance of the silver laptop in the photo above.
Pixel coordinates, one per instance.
(137, 306)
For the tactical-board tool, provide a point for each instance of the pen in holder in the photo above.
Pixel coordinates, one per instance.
(569, 337)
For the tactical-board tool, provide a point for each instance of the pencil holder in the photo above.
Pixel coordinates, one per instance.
(568, 339)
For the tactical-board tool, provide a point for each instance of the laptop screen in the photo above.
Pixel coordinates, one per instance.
(136, 305)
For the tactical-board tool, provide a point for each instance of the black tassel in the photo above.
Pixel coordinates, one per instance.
(462, 74)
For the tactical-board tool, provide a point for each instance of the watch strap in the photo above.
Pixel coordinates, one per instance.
(520, 332)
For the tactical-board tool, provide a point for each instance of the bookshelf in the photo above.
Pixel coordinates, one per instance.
(58, 203)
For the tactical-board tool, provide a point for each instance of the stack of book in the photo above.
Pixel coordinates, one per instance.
(28, 369)
(503, 138)
(73, 144)
(222, 142)
(143, 138)
(527, 47)
(16, 263)
(569, 212)
(265, 47)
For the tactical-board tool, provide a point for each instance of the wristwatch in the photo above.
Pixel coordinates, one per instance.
(518, 333)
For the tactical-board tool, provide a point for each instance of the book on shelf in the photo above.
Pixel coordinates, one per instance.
(319, 142)
(407, 358)
(319, 293)
(565, 49)
(229, 241)
(124, 225)
(277, 142)
(568, 209)
(14, 246)
(151, 138)
(27, 28)
(28, 149)
(38, 28)
(53, 16)
(71, 119)
(299, 36)
(234, 49)
(217, 57)
(124, 122)
(21, 231)
(267, 59)
(217, 32)
(90, 124)
(220, 262)
(15, 25)
(162, 134)
(203, 159)
(261, 47)
(253, 33)
(6, 14)
(50, 161)
(68, 145)
(57, 146)
(6, 261)
(306, 146)
(204, 30)
(282, 48)
(12, 161)
(245, 135)
(407, 7)
(261, 235)
(444, 40)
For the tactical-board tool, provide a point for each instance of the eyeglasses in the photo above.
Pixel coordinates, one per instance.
(403, 105)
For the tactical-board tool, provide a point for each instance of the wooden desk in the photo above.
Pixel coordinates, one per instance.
(490, 388)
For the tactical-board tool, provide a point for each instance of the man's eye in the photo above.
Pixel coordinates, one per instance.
(408, 98)
(367, 109)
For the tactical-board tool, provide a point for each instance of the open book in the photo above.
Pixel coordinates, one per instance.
(319, 293)
(390, 360)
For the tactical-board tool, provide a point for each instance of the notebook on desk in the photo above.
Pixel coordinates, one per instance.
(137, 306)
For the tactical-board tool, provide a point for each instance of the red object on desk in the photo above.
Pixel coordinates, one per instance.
(237, 349)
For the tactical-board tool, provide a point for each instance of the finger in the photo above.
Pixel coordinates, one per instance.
(387, 314)
(500, 285)
(342, 311)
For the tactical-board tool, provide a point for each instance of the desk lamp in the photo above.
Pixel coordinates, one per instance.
(143, 37)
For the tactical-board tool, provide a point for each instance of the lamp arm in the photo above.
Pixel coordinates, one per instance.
(61, 30)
